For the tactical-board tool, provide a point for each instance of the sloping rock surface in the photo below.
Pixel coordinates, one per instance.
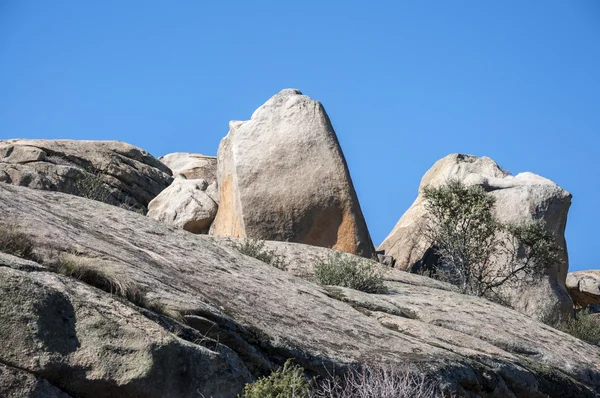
(109, 171)
(521, 198)
(193, 165)
(187, 204)
(282, 176)
(584, 287)
(249, 316)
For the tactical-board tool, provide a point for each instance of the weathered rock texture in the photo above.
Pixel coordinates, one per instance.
(519, 199)
(109, 171)
(187, 204)
(282, 176)
(243, 316)
(584, 287)
(192, 165)
(15, 383)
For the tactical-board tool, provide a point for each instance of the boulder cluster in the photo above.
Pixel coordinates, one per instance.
(175, 310)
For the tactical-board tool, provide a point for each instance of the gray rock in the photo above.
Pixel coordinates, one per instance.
(259, 315)
(186, 204)
(87, 343)
(282, 176)
(15, 383)
(110, 171)
(519, 199)
(584, 287)
(193, 165)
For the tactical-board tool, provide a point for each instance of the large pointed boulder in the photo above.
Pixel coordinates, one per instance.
(521, 198)
(282, 176)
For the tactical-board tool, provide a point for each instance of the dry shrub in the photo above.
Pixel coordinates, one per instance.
(386, 381)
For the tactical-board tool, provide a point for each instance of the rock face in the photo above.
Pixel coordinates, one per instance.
(519, 199)
(584, 287)
(282, 176)
(206, 318)
(109, 171)
(187, 204)
(192, 165)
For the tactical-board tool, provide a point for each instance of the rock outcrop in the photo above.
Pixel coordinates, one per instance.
(584, 287)
(187, 204)
(205, 318)
(192, 165)
(519, 199)
(109, 171)
(282, 176)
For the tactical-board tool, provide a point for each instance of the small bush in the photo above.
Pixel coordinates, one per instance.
(15, 242)
(91, 186)
(585, 326)
(256, 248)
(288, 382)
(345, 271)
(376, 382)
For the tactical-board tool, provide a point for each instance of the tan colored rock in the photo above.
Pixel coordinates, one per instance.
(282, 176)
(521, 198)
(109, 171)
(584, 287)
(192, 165)
(187, 204)
(259, 315)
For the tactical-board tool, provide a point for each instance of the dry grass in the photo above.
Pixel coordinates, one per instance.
(13, 241)
(103, 275)
(100, 274)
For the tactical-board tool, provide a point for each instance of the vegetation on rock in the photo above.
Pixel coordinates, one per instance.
(345, 271)
(256, 248)
(585, 326)
(287, 382)
(96, 272)
(91, 186)
(385, 381)
(477, 252)
(14, 241)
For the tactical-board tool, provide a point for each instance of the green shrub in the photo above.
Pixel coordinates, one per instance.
(15, 242)
(350, 272)
(585, 326)
(288, 382)
(91, 186)
(256, 248)
(475, 251)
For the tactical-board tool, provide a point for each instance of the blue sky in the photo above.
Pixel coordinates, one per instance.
(404, 82)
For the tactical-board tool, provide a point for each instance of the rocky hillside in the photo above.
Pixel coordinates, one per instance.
(100, 301)
(109, 171)
(190, 314)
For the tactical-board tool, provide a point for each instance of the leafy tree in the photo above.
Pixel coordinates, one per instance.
(477, 252)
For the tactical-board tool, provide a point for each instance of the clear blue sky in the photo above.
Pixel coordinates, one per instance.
(404, 82)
